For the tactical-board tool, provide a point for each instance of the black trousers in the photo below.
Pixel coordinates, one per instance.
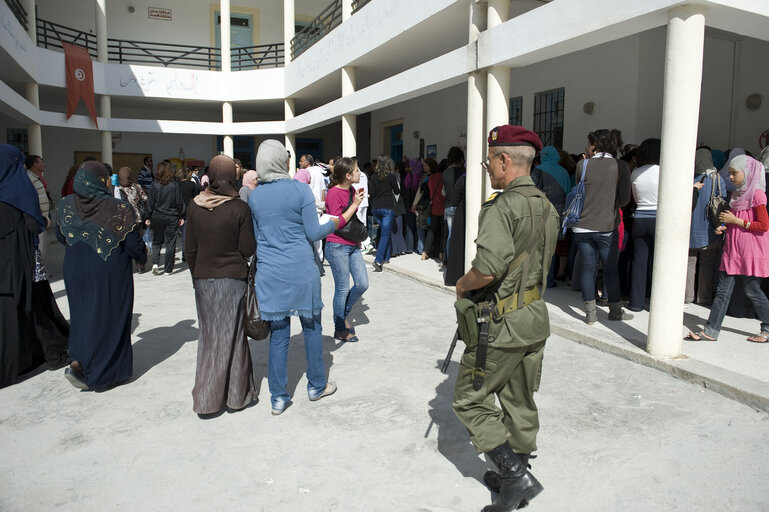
(164, 229)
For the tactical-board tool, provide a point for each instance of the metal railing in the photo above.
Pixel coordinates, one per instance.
(326, 21)
(358, 4)
(165, 54)
(18, 10)
(260, 56)
(51, 35)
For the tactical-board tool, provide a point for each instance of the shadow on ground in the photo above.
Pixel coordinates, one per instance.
(157, 345)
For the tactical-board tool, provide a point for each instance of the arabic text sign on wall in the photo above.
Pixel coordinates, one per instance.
(159, 13)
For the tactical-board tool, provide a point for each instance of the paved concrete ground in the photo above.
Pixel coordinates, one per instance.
(615, 435)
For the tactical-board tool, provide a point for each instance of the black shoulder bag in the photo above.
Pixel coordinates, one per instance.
(353, 230)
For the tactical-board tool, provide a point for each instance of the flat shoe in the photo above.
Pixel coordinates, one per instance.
(330, 390)
(700, 336)
(278, 412)
(345, 336)
(75, 378)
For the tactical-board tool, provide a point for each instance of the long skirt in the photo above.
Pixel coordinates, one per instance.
(223, 375)
(397, 237)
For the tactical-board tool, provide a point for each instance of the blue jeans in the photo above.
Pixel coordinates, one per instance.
(346, 260)
(277, 365)
(751, 285)
(591, 247)
(384, 217)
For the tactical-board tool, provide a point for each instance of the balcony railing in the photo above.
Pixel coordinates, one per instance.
(326, 21)
(18, 10)
(358, 4)
(51, 35)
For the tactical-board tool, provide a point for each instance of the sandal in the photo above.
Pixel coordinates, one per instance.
(761, 338)
(345, 336)
(700, 336)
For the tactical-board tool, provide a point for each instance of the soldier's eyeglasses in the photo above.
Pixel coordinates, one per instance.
(485, 163)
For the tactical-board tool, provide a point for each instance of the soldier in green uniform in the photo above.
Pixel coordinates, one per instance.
(517, 233)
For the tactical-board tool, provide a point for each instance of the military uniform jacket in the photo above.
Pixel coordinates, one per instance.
(504, 227)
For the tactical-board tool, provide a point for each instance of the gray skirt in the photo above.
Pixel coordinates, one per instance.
(223, 375)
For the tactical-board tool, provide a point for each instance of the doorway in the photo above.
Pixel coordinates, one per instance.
(392, 140)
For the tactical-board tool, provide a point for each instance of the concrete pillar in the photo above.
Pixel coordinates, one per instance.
(498, 79)
(349, 121)
(29, 6)
(680, 116)
(105, 102)
(288, 107)
(224, 31)
(289, 24)
(34, 132)
(228, 146)
(346, 10)
(475, 153)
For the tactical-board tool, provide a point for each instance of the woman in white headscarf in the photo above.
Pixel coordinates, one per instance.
(287, 278)
(745, 258)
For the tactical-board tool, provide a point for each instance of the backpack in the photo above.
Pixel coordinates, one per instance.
(575, 201)
(716, 204)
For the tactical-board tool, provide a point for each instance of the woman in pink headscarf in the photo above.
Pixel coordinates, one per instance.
(410, 186)
(745, 258)
(249, 184)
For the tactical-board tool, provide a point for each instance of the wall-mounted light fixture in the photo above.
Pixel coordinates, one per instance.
(131, 9)
(588, 107)
(754, 101)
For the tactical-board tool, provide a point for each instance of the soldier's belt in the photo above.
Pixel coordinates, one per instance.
(510, 303)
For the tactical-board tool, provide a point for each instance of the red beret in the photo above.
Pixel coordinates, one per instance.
(507, 135)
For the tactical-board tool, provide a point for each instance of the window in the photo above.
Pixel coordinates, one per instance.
(18, 137)
(516, 111)
(548, 117)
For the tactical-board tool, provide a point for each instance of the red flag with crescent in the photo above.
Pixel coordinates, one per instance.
(79, 69)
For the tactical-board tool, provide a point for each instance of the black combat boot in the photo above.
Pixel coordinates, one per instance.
(517, 484)
(493, 480)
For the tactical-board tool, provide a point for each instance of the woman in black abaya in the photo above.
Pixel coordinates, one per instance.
(101, 238)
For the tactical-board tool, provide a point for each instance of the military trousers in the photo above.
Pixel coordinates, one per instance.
(512, 376)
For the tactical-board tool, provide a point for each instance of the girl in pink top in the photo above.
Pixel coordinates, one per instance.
(344, 257)
(745, 257)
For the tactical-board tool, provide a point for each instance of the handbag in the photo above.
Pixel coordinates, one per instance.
(353, 230)
(424, 208)
(575, 201)
(254, 326)
(716, 204)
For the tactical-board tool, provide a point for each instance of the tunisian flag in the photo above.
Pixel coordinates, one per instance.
(79, 69)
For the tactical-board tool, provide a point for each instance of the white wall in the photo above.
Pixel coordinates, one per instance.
(60, 144)
(753, 78)
(440, 118)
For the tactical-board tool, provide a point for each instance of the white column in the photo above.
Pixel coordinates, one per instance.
(105, 103)
(346, 10)
(498, 80)
(29, 6)
(224, 46)
(349, 121)
(289, 24)
(680, 116)
(228, 146)
(288, 107)
(475, 154)
(34, 132)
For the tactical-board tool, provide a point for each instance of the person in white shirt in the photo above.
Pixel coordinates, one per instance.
(363, 207)
(318, 187)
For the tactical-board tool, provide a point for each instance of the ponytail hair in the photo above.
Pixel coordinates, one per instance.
(342, 167)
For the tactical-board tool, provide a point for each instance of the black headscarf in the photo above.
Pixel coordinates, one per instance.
(91, 215)
(15, 187)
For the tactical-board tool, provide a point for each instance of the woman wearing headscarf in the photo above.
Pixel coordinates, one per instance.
(101, 238)
(165, 212)
(704, 244)
(132, 192)
(383, 186)
(397, 233)
(550, 163)
(20, 221)
(220, 237)
(724, 172)
(249, 184)
(745, 258)
(287, 278)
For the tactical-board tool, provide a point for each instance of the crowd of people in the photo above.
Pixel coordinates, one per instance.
(414, 206)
